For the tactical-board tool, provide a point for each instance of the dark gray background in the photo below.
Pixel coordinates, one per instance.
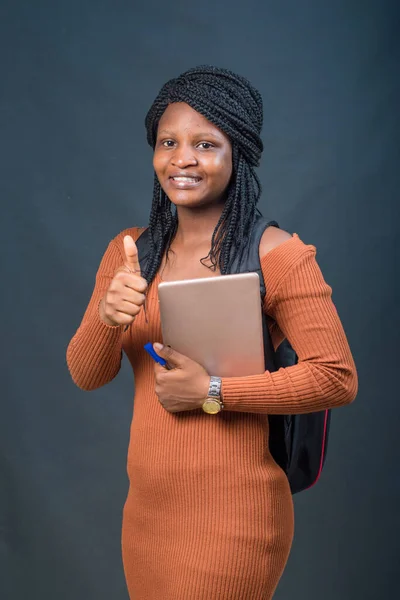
(77, 80)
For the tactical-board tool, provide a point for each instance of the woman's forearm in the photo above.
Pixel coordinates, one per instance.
(94, 353)
(300, 303)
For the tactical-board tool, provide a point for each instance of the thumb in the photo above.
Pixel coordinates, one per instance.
(173, 358)
(131, 255)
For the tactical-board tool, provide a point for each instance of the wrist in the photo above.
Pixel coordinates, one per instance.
(213, 403)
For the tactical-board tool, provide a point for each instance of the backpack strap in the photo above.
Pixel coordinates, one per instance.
(143, 246)
(250, 259)
(250, 262)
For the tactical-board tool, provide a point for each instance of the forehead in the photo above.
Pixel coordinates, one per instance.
(180, 117)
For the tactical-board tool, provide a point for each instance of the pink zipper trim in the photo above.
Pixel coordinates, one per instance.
(321, 464)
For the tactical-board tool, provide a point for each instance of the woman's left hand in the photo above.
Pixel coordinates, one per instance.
(184, 386)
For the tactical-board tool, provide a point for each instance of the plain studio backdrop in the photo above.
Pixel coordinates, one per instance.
(76, 81)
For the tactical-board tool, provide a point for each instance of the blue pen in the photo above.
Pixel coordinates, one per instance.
(149, 348)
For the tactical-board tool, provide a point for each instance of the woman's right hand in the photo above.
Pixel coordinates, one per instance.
(126, 293)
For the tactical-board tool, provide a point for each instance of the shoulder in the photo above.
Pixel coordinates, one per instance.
(271, 238)
(282, 257)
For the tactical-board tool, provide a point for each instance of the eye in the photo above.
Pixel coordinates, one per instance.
(168, 143)
(206, 145)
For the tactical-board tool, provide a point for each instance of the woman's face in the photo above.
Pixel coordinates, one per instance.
(192, 157)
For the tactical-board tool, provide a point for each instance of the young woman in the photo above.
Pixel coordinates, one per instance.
(209, 513)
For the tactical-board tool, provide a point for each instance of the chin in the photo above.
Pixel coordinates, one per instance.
(193, 205)
(189, 200)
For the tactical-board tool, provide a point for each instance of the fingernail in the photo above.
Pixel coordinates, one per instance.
(158, 346)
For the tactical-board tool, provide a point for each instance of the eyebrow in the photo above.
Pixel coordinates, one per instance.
(200, 134)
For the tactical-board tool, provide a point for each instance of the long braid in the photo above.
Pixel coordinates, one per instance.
(231, 103)
(162, 227)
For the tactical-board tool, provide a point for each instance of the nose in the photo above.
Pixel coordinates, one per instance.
(184, 156)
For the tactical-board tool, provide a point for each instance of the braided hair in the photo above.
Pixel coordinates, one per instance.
(231, 103)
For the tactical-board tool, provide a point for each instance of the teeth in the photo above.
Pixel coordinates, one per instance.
(188, 179)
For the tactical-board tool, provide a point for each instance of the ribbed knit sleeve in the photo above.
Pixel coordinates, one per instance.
(94, 353)
(300, 302)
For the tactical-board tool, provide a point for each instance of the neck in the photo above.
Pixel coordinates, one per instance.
(196, 225)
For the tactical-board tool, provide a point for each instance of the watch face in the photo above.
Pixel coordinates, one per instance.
(211, 406)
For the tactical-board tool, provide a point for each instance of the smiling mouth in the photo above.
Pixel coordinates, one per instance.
(186, 179)
(185, 183)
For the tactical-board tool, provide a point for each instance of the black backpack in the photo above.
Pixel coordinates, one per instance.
(298, 443)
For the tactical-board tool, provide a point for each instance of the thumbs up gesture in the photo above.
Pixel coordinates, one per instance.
(126, 293)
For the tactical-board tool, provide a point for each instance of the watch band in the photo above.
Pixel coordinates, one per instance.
(215, 387)
(213, 403)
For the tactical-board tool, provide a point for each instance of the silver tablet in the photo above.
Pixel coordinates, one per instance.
(216, 321)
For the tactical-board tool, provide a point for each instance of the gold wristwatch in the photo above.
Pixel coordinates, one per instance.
(213, 403)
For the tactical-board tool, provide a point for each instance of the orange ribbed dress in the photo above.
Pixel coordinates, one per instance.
(209, 514)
